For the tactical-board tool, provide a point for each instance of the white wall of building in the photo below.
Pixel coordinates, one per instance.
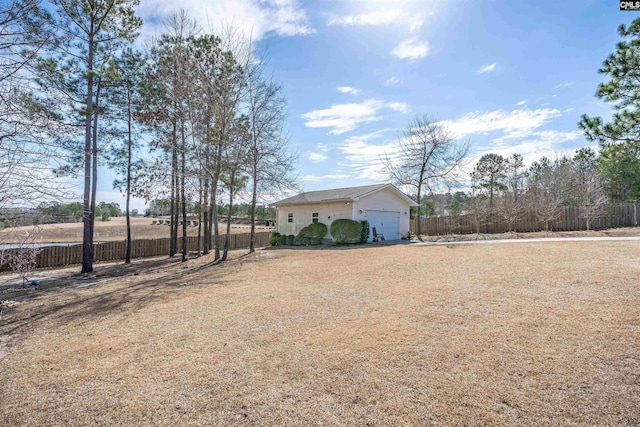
(383, 200)
(302, 215)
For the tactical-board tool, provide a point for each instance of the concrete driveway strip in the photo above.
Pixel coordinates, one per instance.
(542, 239)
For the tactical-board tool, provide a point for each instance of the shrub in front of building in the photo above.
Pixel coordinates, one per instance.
(346, 231)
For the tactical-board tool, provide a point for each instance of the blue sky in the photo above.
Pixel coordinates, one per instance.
(506, 76)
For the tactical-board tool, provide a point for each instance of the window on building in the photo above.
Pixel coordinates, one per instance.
(290, 217)
(314, 217)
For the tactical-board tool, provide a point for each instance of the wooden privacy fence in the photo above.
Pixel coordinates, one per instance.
(569, 218)
(56, 256)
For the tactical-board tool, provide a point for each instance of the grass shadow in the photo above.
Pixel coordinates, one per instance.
(56, 300)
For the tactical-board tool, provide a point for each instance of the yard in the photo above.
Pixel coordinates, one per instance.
(526, 334)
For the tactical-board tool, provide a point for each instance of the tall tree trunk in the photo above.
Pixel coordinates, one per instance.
(212, 208)
(127, 255)
(206, 246)
(87, 236)
(214, 220)
(491, 184)
(173, 241)
(252, 214)
(172, 220)
(183, 201)
(94, 164)
(214, 203)
(419, 201)
(199, 246)
(227, 236)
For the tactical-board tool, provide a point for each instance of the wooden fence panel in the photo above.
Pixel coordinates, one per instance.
(57, 256)
(570, 218)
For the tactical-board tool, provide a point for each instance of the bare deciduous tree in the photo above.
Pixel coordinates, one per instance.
(477, 204)
(234, 172)
(426, 157)
(269, 160)
(549, 188)
(23, 256)
(511, 206)
(588, 185)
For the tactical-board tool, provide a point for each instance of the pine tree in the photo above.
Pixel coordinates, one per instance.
(620, 138)
(89, 33)
(124, 99)
(490, 173)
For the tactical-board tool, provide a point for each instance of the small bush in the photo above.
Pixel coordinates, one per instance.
(301, 241)
(364, 232)
(290, 239)
(273, 239)
(105, 217)
(6, 223)
(282, 239)
(312, 234)
(346, 231)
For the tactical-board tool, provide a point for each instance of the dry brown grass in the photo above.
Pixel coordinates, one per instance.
(528, 334)
(112, 230)
(612, 232)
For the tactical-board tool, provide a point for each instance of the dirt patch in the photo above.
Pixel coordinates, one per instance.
(533, 334)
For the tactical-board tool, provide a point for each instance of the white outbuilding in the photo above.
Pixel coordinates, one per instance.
(383, 205)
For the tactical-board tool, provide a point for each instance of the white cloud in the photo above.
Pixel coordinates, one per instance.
(317, 158)
(411, 49)
(346, 117)
(255, 18)
(521, 103)
(516, 131)
(414, 18)
(487, 68)
(401, 107)
(543, 137)
(563, 85)
(504, 132)
(517, 121)
(415, 23)
(318, 178)
(532, 145)
(348, 89)
(380, 17)
(392, 81)
(323, 147)
(365, 157)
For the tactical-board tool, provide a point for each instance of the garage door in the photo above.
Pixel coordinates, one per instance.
(386, 223)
